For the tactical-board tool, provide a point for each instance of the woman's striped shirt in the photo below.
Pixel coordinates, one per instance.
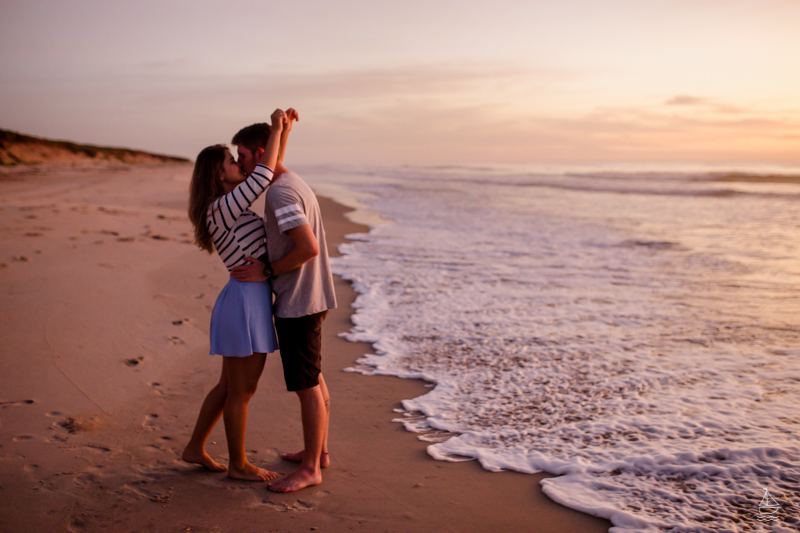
(237, 232)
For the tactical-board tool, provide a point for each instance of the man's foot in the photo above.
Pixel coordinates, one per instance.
(297, 480)
(251, 473)
(297, 457)
(203, 459)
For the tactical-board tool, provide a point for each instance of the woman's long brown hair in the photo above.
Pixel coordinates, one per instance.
(206, 187)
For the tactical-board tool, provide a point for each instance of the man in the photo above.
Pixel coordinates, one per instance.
(297, 264)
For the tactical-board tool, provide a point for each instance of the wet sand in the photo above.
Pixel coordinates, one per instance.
(104, 309)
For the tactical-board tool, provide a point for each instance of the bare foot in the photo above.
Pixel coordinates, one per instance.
(297, 457)
(297, 480)
(203, 459)
(251, 473)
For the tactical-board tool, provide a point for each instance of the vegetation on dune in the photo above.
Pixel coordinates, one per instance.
(19, 149)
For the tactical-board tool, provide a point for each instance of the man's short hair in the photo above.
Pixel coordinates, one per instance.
(252, 137)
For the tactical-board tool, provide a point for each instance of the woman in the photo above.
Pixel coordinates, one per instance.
(242, 330)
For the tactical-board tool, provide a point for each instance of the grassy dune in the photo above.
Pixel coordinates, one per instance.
(19, 149)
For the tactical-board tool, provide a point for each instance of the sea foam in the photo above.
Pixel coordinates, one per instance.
(640, 344)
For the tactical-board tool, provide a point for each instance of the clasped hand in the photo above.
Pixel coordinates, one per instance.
(251, 272)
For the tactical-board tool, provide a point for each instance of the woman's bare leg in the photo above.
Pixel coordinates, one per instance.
(325, 458)
(211, 410)
(243, 374)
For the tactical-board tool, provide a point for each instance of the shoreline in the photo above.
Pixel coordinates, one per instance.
(105, 309)
(479, 500)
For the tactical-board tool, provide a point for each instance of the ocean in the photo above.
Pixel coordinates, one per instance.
(635, 332)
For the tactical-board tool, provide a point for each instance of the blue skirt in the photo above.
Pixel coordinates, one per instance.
(241, 322)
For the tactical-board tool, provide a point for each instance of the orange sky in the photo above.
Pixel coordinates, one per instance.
(414, 82)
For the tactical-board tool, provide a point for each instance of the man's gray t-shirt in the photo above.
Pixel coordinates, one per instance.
(306, 290)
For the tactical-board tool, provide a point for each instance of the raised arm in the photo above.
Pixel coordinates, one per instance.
(226, 209)
(270, 156)
(292, 116)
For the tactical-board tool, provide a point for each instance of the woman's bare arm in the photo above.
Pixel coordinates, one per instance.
(291, 115)
(270, 155)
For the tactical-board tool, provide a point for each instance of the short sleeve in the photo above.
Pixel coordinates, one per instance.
(288, 208)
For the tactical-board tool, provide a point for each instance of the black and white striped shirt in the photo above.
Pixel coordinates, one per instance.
(236, 231)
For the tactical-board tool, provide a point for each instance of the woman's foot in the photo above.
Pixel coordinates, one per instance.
(297, 457)
(251, 473)
(201, 458)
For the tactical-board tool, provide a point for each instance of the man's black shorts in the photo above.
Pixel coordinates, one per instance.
(300, 341)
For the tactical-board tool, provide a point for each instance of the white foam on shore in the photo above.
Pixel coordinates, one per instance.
(641, 345)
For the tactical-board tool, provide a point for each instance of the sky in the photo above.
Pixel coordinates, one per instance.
(414, 82)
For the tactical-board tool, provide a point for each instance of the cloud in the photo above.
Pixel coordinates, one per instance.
(468, 134)
(436, 114)
(650, 134)
(685, 100)
(704, 103)
(419, 80)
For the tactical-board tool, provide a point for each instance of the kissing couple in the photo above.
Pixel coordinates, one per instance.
(282, 255)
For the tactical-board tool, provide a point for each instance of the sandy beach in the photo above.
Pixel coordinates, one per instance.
(105, 310)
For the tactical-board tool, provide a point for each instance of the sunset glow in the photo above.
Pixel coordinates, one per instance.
(414, 82)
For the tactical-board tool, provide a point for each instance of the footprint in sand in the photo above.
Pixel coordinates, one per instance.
(165, 217)
(97, 448)
(33, 234)
(21, 438)
(78, 424)
(158, 388)
(78, 524)
(308, 503)
(21, 258)
(35, 207)
(148, 489)
(150, 422)
(175, 340)
(160, 497)
(3, 405)
(134, 362)
(86, 479)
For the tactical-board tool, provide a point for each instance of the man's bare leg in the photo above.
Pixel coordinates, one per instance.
(211, 410)
(325, 458)
(243, 374)
(312, 407)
